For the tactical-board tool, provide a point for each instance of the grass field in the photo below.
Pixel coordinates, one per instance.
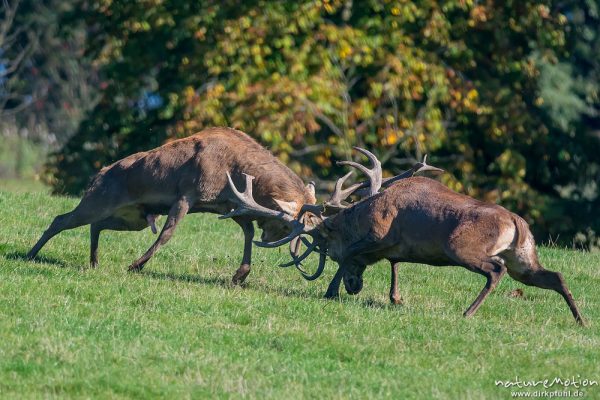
(178, 330)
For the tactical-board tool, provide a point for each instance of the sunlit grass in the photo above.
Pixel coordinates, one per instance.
(178, 330)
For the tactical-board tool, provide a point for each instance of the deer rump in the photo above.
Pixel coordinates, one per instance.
(181, 177)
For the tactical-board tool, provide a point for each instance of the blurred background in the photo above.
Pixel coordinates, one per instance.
(504, 95)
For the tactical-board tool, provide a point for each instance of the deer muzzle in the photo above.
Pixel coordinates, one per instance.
(353, 283)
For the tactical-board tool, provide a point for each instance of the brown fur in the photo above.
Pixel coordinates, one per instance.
(180, 177)
(420, 220)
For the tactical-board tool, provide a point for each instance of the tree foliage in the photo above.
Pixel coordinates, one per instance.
(462, 80)
(45, 84)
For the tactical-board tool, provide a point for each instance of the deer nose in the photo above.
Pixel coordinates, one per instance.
(353, 284)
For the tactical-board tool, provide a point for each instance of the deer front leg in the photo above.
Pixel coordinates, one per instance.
(240, 275)
(394, 293)
(333, 290)
(176, 213)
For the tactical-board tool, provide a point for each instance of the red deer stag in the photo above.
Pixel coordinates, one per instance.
(416, 220)
(181, 177)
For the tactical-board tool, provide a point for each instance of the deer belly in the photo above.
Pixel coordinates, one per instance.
(132, 216)
(425, 253)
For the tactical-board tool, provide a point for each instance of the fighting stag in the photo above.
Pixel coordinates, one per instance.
(416, 219)
(181, 177)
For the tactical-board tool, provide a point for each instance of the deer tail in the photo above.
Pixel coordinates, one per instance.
(522, 230)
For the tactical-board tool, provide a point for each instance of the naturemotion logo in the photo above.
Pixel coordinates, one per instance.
(575, 382)
(557, 387)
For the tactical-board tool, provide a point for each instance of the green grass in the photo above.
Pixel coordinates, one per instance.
(178, 330)
(16, 185)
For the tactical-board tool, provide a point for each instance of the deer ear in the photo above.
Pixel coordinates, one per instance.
(311, 188)
(288, 207)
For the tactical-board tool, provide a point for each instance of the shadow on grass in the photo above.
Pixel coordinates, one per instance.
(282, 291)
(222, 282)
(372, 303)
(20, 255)
(10, 253)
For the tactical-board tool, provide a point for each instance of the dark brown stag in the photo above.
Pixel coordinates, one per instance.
(417, 219)
(181, 177)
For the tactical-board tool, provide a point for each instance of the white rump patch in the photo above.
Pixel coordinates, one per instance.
(311, 188)
(506, 238)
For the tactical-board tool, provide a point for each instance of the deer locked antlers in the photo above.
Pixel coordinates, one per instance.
(336, 202)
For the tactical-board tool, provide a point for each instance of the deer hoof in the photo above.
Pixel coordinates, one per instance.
(396, 301)
(240, 275)
(134, 268)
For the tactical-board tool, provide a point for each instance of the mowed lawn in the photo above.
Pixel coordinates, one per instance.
(179, 330)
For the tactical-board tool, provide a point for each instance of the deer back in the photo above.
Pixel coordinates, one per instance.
(197, 165)
(417, 219)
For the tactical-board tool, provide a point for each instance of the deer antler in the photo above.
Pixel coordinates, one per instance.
(375, 178)
(248, 206)
(374, 174)
(297, 260)
(313, 208)
(339, 194)
(421, 166)
(318, 272)
(418, 167)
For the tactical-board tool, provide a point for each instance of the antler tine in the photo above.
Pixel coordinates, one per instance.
(298, 263)
(295, 250)
(297, 230)
(418, 167)
(339, 194)
(297, 260)
(319, 271)
(374, 174)
(247, 205)
(423, 167)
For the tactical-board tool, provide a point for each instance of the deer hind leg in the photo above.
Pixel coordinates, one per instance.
(76, 218)
(546, 279)
(95, 230)
(176, 213)
(493, 269)
(244, 269)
